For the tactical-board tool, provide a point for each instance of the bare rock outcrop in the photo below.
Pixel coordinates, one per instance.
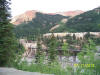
(27, 16)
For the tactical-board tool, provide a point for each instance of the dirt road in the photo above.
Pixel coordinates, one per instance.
(11, 71)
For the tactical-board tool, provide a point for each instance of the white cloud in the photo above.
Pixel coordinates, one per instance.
(20, 6)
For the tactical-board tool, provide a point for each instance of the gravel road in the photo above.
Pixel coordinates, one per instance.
(12, 71)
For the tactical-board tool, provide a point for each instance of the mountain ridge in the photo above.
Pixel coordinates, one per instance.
(31, 14)
(87, 22)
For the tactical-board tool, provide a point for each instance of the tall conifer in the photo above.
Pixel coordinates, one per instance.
(7, 40)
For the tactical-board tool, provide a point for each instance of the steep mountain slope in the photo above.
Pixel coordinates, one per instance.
(29, 15)
(88, 21)
(41, 24)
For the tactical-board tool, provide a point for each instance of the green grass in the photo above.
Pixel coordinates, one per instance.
(42, 68)
(56, 69)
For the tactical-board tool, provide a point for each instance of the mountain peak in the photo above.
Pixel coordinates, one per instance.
(27, 16)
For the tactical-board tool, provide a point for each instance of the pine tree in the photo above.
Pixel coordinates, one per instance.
(39, 52)
(52, 52)
(87, 36)
(74, 37)
(7, 40)
(65, 49)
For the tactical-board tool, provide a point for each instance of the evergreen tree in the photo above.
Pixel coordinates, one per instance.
(74, 37)
(52, 52)
(39, 52)
(7, 40)
(65, 49)
(87, 36)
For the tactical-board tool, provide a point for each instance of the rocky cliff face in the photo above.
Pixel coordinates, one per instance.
(29, 15)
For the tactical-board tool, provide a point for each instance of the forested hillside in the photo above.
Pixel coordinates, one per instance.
(86, 22)
(42, 23)
(39, 25)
